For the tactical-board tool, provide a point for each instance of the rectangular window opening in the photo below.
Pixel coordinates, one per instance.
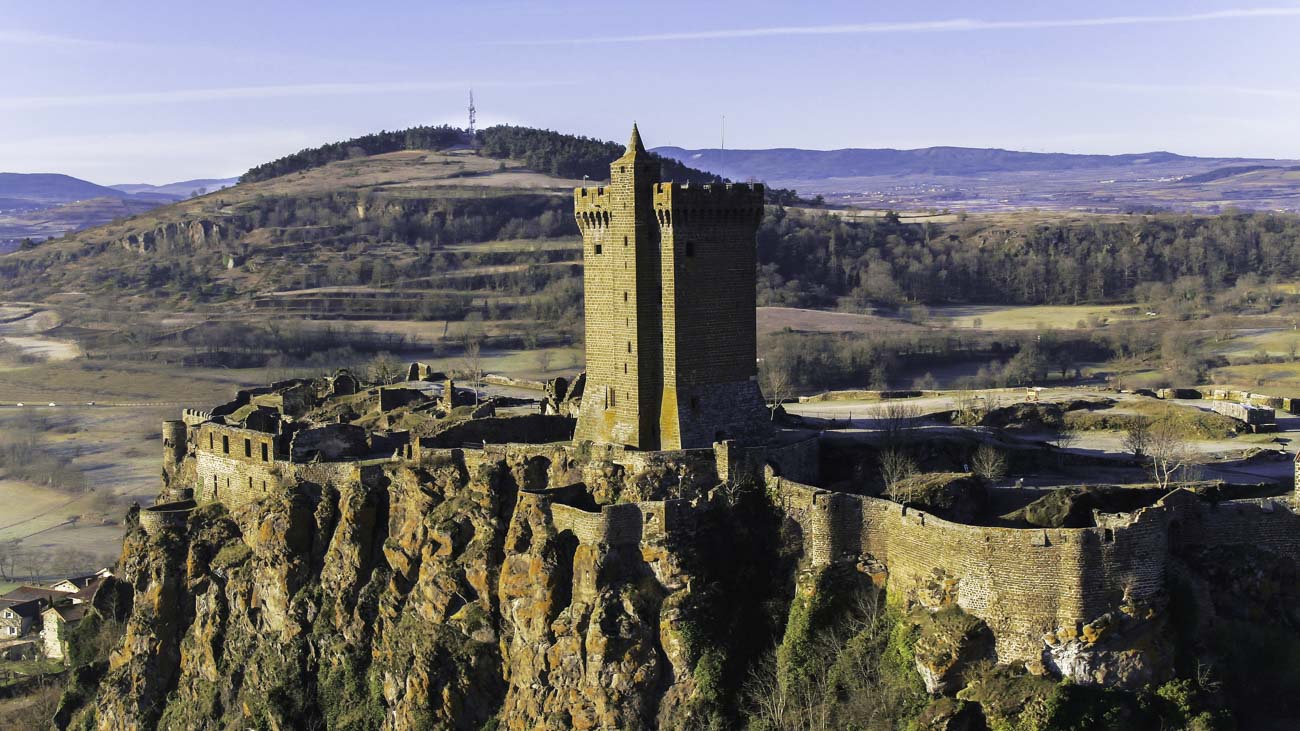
(597, 249)
(265, 451)
(690, 248)
(225, 444)
(248, 449)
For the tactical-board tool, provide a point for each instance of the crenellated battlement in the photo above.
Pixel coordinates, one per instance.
(735, 205)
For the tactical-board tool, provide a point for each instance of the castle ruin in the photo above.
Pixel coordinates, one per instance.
(671, 407)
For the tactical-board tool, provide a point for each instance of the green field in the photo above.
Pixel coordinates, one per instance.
(1030, 317)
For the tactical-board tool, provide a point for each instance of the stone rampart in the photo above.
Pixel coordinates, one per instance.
(156, 518)
(1022, 582)
(799, 461)
(622, 524)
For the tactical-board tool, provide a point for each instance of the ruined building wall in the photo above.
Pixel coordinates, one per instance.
(621, 524)
(234, 465)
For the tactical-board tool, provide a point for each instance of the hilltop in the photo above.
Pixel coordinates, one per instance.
(49, 188)
(178, 190)
(996, 179)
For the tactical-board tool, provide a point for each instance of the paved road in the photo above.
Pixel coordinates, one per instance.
(89, 405)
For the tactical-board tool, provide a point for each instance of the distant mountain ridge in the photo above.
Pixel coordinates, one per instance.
(52, 188)
(39, 205)
(178, 190)
(988, 179)
(787, 163)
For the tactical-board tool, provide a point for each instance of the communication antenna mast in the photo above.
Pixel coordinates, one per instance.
(722, 163)
(473, 114)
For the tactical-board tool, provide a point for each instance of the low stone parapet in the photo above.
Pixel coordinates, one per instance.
(155, 518)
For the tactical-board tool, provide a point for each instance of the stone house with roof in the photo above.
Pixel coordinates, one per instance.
(17, 618)
(56, 622)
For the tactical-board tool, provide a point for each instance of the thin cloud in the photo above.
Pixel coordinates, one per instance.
(20, 37)
(928, 26)
(256, 92)
(1204, 89)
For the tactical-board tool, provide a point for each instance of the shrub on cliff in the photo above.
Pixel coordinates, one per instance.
(846, 661)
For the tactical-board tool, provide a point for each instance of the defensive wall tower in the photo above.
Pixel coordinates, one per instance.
(175, 444)
(670, 309)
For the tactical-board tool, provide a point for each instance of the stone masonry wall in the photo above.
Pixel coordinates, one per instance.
(707, 258)
(235, 465)
(1022, 582)
(622, 300)
(624, 523)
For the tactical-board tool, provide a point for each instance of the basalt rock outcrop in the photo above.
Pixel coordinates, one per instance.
(412, 596)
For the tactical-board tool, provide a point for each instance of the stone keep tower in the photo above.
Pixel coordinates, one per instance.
(670, 309)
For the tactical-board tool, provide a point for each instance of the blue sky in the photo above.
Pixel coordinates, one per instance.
(159, 91)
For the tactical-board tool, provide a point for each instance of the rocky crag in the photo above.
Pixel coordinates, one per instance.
(430, 595)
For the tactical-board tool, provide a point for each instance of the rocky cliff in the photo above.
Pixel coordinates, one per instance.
(423, 596)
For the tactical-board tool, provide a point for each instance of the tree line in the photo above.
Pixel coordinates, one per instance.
(378, 143)
(821, 261)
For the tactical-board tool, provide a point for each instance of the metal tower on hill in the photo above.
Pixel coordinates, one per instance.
(473, 114)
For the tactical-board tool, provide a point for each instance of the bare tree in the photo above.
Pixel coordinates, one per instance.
(989, 463)
(897, 419)
(1066, 438)
(1137, 436)
(544, 358)
(473, 365)
(10, 554)
(775, 380)
(896, 466)
(1170, 452)
(385, 369)
(971, 407)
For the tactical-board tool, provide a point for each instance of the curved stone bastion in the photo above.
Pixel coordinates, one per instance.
(1028, 584)
(155, 518)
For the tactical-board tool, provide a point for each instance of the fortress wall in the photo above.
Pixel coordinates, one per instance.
(696, 461)
(229, 464)
(1264, 523)
(799, 461)
(231, 480)
(588, 527)
(1022, 582)
(622, 524)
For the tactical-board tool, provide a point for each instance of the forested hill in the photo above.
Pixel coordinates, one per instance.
(552, 153)
(825, 261)
(417, 233)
